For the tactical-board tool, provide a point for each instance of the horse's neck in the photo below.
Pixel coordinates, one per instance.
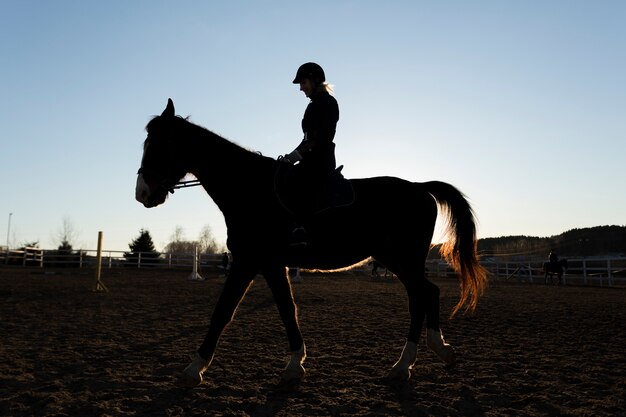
(223, 168)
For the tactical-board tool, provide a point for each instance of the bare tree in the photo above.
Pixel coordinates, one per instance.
(178, 244)
(66, 235)
(178, 235)
(207, 241)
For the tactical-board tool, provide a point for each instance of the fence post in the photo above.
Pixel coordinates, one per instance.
(98, 285)
(139, 260)
(195, 276)
(584, 271)
(610, 275)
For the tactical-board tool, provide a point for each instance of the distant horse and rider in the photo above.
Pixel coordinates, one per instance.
(554, 269)
(243, 184)
(376, 266)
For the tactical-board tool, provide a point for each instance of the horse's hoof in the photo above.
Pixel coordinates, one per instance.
(192, 374)
(449, 357)
(436, 343)
(446, 354)
(189, 380)
(398, 375)
(292, 374)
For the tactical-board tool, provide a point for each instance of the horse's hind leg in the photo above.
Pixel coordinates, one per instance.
(281, 289)
(401, 370)
(434, 337)
(423, 304)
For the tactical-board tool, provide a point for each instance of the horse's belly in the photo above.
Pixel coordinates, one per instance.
(325, 259)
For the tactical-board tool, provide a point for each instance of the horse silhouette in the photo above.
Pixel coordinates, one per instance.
(396, 230)
(554, 269)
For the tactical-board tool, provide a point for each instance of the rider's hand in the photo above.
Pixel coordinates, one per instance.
(293, 157)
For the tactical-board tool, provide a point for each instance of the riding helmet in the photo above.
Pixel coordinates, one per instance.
(312, 71)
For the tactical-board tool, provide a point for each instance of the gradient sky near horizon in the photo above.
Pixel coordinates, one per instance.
(520, 104)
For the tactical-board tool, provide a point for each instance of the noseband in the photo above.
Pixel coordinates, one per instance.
(168, 186)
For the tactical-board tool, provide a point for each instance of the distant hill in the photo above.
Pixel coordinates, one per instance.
(591, 241)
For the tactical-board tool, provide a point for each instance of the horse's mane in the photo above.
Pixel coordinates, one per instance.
(186, 124)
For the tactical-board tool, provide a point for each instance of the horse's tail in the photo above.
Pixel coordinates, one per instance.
(460, 249)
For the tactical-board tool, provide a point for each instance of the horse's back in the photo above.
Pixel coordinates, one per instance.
(393, 205)
(393, 190)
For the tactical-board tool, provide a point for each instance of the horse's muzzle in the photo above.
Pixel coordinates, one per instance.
(146, 195)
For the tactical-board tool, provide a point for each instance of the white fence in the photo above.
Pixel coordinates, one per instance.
(601, 271)
(110, 259)
(586, 271)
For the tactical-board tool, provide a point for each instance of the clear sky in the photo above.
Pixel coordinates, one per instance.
(520, 104)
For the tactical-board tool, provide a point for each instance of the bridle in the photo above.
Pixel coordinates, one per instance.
(165, 185)
(168, 186)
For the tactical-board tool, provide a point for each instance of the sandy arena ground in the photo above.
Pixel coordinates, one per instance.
(529, 350)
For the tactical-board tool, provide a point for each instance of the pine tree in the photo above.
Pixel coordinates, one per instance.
(143, 245)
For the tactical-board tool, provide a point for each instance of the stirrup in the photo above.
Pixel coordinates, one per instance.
(298, 237)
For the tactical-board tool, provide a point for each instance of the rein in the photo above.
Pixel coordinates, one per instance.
(184, 184)
(165, 185)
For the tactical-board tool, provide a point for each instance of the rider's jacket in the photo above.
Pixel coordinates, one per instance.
(319, 124)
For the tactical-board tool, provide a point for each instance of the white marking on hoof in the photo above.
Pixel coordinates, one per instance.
(192, 374)
(436, 343)
(401, 370)
(294, 369)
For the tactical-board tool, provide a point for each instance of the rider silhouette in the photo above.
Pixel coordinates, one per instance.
(315, 155)
(553, 257)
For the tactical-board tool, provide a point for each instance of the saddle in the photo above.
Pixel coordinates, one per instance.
(336, 192)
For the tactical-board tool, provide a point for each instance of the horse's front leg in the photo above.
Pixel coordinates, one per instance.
(281, 289)
(233, 292)
(401, 370)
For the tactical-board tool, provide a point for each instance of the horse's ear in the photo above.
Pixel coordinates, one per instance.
(169, 110)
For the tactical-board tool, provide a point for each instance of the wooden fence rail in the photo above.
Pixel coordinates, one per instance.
(602, 271)
(24, 257)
